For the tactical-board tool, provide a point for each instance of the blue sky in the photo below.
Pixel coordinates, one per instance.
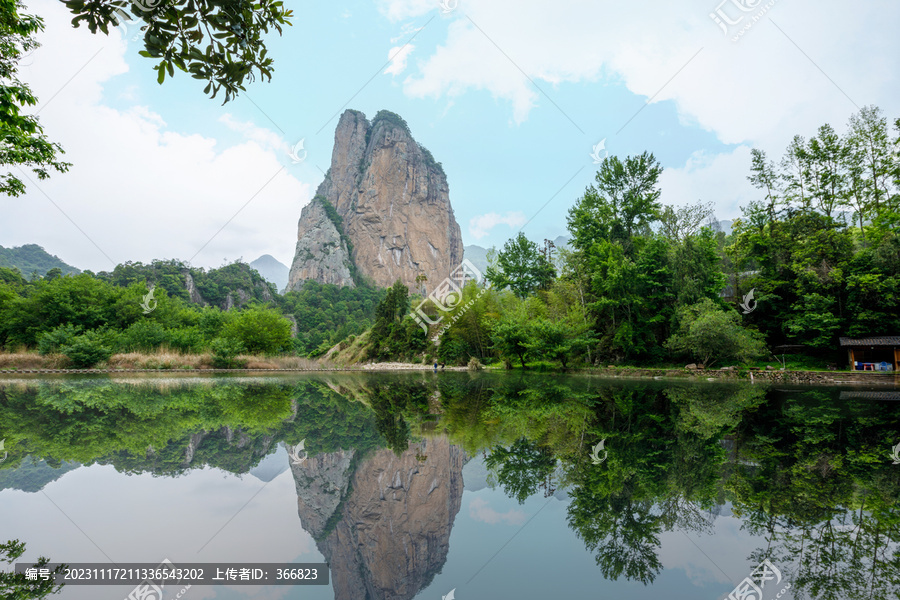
(509, 96)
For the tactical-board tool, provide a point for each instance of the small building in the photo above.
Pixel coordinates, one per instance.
(873, 353)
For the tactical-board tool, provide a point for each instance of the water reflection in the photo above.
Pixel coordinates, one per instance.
(808, 470)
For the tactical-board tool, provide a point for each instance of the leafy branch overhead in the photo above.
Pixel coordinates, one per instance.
(216, 41)
(22, 139)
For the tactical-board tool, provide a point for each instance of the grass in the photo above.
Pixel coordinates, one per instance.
(160, 359)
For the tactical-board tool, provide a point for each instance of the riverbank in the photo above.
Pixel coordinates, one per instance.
(163, 361)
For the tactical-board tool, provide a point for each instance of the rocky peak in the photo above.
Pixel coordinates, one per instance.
(391, 206)
(384, 525)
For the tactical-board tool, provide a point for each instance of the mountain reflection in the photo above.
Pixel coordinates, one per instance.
(807, 469)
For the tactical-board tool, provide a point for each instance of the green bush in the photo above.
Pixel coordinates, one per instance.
(51, 341)
(185, 339)
(261, 330)
(144, 335)
(86, 350)
(225, 351)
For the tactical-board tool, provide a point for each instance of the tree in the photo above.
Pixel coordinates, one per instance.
(23, 141)
(711, 334)
(522, 267)
(624, 203)
(262, 330)
(521, 468)
(18, 586)
(680, 222)
(175, 32)
(510, 337)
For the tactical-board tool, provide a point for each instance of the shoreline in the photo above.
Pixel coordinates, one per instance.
(762, 376)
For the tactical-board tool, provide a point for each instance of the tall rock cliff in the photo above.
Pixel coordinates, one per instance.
(383, 212)
(383, 526)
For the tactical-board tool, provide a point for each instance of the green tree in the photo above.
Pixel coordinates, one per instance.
(18, 586)
(623, 204)
(510, 338)
(712, 334)
(219, 42)
(260, 330)
(24, 142)
(521, 468)
(521, 267)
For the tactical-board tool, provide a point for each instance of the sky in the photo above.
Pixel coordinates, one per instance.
(517, 100)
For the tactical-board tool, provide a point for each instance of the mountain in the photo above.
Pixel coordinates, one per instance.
(229, 286)
(32, 474)
(382, 213)
(477, 256)
(31, 258)
(382, 521)
(272, 269)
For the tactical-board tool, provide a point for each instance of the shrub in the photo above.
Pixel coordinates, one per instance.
(144, 335)
(261, 330)
(225, 351)
(51, 341)
(86, 350)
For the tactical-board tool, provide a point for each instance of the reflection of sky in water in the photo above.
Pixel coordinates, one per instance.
(141, 518)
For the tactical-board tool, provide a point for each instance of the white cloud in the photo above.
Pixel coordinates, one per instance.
(482, 225)
(266, 138)
(720, 179)
(398, 56)
(481, 511)
(139, 190)
(396, 10)
(760, 89)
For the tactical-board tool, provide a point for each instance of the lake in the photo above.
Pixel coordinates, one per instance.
(460, 485)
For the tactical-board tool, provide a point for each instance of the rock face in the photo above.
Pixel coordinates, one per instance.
(389, 535)
(322, 253)
(392, 217)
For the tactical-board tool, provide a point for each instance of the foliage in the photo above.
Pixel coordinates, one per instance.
(225, 351)
(18, 586)
(24, 143)
(53, 340)
(521, 467)
(326, 314)
(260, 331)
(89, 348)
(712, 334)
(394, 333)
(175, 31)
(31, 258)
(521, 267)
(819, 274)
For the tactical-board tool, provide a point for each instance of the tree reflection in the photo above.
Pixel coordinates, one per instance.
(807, 471)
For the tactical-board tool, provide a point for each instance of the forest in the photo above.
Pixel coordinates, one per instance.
(815, 257)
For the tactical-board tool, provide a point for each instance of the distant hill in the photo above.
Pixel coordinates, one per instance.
(228, 286)
(477, 255)
(33, 474)
(272, 270)
(31, 258)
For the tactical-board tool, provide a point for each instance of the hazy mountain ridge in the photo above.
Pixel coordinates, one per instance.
(31, 258)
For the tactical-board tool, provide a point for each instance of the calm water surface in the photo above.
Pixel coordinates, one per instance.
(416, 485)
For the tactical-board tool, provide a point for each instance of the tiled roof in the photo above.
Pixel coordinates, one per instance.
(886, 340)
